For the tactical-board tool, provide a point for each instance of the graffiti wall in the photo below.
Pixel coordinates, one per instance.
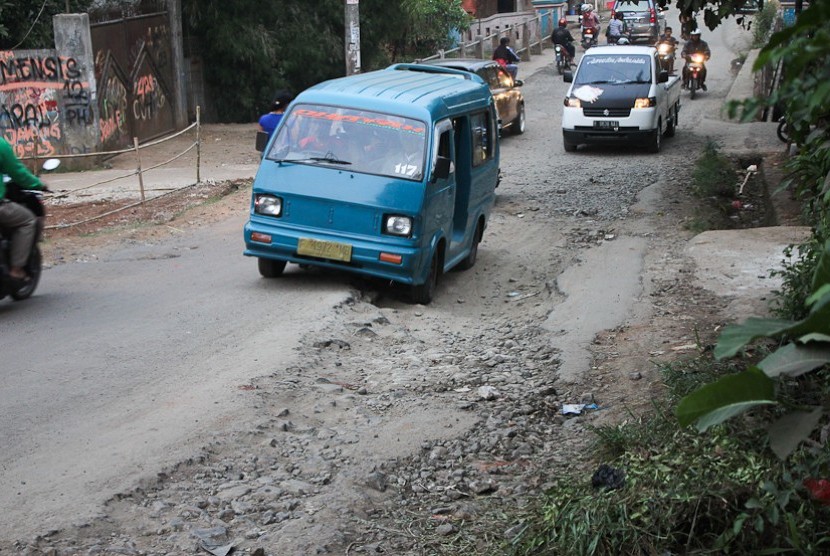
(101, 86)
(133, 68)
(40, 92)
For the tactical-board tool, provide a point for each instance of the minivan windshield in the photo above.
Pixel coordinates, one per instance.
(357, 140)
(616, 69)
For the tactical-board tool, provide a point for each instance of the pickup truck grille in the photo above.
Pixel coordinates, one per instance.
(612, 112)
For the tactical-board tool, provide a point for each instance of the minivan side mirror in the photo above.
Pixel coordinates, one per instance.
(568, 76)
(663, 76)
(518, 82)
(443, 168)
(261, 140)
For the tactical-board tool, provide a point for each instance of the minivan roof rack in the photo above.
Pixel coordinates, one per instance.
(430, 69)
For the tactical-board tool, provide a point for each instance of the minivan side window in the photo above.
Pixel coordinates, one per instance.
(482, 129)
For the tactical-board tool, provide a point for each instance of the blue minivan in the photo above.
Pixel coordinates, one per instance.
(390, 174)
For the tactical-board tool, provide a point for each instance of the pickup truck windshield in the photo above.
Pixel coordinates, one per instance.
(616, 69)
(357, 140)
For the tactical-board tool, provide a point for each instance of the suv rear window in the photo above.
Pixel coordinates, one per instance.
(631, 6)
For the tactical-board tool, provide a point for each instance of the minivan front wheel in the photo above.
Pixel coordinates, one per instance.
(423, 293)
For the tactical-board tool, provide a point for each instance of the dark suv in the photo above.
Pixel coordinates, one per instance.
(644, 20)
(510, 103)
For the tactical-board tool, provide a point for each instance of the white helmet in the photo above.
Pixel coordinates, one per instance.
(695, 32)
(587, 7)
(622, 40)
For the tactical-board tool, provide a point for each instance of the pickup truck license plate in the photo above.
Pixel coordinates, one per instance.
(324, 249)
(607, 124)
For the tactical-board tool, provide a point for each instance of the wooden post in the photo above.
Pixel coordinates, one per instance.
(140, 176)
(198, 144)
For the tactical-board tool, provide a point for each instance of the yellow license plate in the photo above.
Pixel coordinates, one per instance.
(324, 249)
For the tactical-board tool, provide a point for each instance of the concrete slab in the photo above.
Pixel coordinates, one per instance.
(736, 264)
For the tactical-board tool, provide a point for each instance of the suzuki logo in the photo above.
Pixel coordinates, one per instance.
(606, 112)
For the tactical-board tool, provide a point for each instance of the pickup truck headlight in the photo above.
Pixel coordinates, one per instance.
(268, 205)
(573, 103)
(397, 225)
(645, 102)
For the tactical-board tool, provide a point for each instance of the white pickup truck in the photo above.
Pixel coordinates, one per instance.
(620, 95)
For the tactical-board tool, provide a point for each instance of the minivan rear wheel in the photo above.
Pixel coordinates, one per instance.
(269, 268)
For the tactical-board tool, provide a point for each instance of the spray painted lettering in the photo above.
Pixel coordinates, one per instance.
(40, 92)
(148, 98)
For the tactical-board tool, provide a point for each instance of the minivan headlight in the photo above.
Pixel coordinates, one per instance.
(572, 102)
(268, 205)
(397, 225)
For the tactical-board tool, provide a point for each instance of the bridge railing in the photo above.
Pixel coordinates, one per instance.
(529, 34)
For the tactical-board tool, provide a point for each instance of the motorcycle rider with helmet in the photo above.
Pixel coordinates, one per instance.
(590, 20)
(15, 217)
(695, 45)
(563, 37)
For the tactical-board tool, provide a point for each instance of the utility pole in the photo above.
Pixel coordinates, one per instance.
(174, 18)
(352, 37)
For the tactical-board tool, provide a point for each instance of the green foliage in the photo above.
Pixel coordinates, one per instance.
(252, 48)
(796, 274)
(684, 493)
(24, 25)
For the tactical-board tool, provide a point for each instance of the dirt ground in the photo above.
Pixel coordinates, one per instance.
(481, 351)
(84, 226)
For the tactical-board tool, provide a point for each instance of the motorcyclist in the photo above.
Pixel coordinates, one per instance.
(688, 23)
(615, 29)
(668, 38)
(14, 216)
(562, 36)
(590, 20)
(695, 45)
(506, 56)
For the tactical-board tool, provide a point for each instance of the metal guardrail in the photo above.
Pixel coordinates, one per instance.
(528, 34)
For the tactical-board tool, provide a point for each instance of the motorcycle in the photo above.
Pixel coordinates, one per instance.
(666, 56)
(693, 69)
(783, 130)
(589, 37)
(31, 199)
(563, 59)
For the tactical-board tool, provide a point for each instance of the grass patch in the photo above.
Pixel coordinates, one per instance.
(714, 174)
(723, 492)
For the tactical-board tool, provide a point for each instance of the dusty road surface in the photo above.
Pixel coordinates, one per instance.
(159, 397)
